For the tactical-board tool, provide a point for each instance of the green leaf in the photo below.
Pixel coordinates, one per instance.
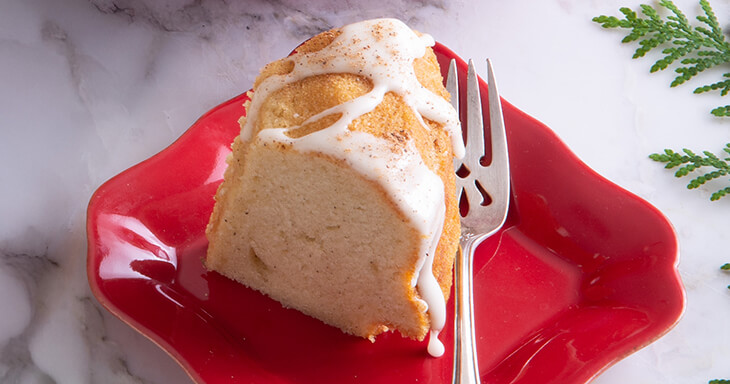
(722, 111)
(708, 164)
(720, 194)
(690, 49)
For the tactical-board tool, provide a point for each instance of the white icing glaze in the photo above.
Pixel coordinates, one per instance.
(435, 346)
(383, 51)
(386, 58)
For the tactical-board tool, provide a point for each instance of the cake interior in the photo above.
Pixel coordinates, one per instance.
(312, 236)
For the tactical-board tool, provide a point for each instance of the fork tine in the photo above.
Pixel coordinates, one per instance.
(496, 119)
(499, 166)
(452, 84)
(474, 120)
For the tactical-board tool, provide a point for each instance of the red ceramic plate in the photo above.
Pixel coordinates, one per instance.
(583, 274)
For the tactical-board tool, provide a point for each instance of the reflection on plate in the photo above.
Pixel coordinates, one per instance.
(583, 274)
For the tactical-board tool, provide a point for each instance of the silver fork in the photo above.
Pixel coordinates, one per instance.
(487, 190)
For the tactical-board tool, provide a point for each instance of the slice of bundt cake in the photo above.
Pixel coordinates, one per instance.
(339, 196)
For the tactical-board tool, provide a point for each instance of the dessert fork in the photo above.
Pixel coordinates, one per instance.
(487, 192)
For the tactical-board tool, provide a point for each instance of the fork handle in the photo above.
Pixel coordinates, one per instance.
(466, 366)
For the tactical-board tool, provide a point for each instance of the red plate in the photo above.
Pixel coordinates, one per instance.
(583, 274)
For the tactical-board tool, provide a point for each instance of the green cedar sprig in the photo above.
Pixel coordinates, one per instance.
(694, 48)
(719, 381)
(688, 161)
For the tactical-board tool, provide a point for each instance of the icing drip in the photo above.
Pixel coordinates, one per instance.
(383, 51)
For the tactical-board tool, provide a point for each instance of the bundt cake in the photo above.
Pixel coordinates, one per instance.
(339, 197)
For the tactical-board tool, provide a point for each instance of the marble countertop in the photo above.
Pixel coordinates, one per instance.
(90, 88)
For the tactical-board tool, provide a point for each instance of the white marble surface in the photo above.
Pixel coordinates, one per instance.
(89, 88)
